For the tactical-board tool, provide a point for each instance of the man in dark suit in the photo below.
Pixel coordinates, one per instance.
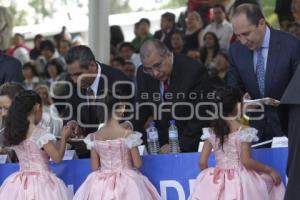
(10, 69)
(170, 82)
(262, 62)
(167, 25)
(91, 80)
(289, 117)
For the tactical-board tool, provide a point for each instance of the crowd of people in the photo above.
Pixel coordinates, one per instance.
(56, 91)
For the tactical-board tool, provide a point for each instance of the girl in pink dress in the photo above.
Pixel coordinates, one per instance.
(33, 146)
(114, 160)
(236, 176)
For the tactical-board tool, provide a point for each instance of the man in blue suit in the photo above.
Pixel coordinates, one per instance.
(10, 69)
(262, 62)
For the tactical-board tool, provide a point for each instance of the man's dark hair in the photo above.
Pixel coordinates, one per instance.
(168, 16)
(82, 54)
(252, 12)
(20, 35)
(145, 20)
(37, 37)
(222, 7)
(47, 44)
(126, 44)
(119, 60)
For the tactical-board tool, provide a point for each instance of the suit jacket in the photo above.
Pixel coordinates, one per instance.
(188, 77)
(283, 59)
(91, 116)
(289, 116)
(10, 69)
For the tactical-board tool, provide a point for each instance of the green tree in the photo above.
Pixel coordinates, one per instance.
(40, 8)
(271, 16)
(19, 16)
(119, 6)
(175, 4)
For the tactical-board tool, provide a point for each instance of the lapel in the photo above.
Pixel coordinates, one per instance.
(175, 76)
(155, 85)
(101, 82)
(98, 110)
(274, 48)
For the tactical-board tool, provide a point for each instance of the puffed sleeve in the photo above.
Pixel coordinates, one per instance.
(43, 137)
(88, 140)
(249, 135)
(206, 133)
(134, 140)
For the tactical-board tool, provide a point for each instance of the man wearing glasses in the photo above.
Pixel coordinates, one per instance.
(169, 87)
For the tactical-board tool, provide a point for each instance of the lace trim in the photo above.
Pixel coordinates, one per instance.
(134, 140)
(44, 139)
(249, 135)
(206, 133)
(88, 141)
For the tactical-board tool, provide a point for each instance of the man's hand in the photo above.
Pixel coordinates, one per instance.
(272, 102)
(165, 148)
(246, 96)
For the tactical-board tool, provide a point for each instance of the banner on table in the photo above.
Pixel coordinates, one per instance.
(172, 174)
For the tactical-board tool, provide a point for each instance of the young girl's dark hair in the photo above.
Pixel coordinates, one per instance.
(110, 100)
(17, 125)
(226, 99)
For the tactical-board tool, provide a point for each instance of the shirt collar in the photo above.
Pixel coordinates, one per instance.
(266, 41)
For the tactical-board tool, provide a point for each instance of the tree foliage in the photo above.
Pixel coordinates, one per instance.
(175, 4)
(119, 6)
(271, 17)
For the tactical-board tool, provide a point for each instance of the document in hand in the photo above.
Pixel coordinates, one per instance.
(265, 101)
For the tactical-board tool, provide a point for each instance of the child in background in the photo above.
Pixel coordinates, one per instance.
(114, 159)
(33, 147)
(236, 175)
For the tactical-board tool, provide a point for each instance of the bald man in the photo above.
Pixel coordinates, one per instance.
(170, 81)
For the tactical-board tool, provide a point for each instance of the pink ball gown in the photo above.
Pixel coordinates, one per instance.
(34, 180)
(116, 179)
(230, 180)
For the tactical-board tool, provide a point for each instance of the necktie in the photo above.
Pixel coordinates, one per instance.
(260, 72)
(166, 86)
(90, 95)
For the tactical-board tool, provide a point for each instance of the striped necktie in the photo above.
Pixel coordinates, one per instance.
(260, 72)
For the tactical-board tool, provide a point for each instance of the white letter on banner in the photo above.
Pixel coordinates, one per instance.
(173, 184)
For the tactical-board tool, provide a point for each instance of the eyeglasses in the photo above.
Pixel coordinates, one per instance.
(149, 69)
